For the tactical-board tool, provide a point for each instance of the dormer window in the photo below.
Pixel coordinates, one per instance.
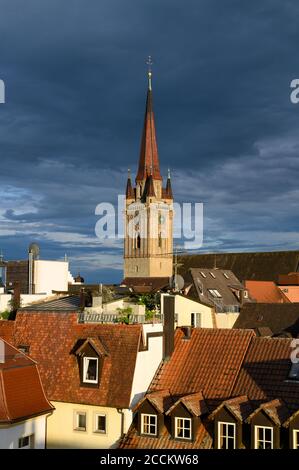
(296, 439)
(226, 435)
(149, 424)
(90, 353)
(90, 370)
(183, 428)
(263, 437)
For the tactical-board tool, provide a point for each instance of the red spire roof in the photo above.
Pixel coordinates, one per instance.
(129, 189)
(149, 190)
(149, 159)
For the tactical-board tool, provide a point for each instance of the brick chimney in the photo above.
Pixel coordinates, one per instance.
(168, 328)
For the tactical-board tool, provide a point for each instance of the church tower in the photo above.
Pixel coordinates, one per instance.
(148, 247)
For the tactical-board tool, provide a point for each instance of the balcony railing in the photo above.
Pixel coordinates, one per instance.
(86, 317)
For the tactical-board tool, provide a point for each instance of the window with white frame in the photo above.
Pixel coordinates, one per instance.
(296, 439)
(26, 442)
(100, 423)
(226, 435)
(149, 424)
(80, 421)
(90, 370)
(196, 320)
(183, 428)
(263, 437)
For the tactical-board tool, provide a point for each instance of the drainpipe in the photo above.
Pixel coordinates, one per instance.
(30, 274)
(122, 430)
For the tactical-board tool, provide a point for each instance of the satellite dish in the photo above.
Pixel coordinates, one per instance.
(34, 250)
(177, 282)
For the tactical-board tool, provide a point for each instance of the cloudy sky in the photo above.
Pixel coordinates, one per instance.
(75, 79)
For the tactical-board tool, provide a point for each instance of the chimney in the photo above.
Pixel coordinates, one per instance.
(168, 333)
(187, 330)
(16, 298)
(82, 300)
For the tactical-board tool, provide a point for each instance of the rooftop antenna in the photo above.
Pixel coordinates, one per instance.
(65, 257)
(1, 255)
(178, 281)
(215, 261)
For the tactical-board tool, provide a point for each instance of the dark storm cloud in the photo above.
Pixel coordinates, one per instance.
(75, 82)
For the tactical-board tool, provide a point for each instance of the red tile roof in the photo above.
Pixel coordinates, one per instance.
(52, 337)
(194, 403)
(275, 409)
(265, 292)
(239, 371)
(209, 361)
(265, 370)
(132, 440)
(6, 330)
(21, 392)
(149, 159)
(240, 407)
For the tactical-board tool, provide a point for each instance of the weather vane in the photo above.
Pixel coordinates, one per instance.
(149, 64)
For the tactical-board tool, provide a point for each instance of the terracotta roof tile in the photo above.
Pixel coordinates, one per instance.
(277, 317)
(265, 370)
(266, 292)
(210, 361)
(240, 407)
(21, 392)
(6, 330)
(195, 404)
(132, 440)
(52, 338)
(275, 409)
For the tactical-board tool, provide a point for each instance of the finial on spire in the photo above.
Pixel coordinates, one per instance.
(168, 173)
(149, 71)
(129, 173)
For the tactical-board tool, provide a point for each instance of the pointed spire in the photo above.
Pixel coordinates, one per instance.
(168, 190)
(149, 157)
(149, 189)
(129, 189)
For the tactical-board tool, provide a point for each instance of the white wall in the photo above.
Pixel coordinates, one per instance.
(26, 299)
(4, 302)
(50, 275)
(185, 306)
(9, 435)
(147, 362)
(226, 320)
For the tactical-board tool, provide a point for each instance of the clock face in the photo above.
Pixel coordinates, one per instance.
(161, 219)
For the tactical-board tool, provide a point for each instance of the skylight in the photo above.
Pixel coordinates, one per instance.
(215, 293)
(213, 275)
